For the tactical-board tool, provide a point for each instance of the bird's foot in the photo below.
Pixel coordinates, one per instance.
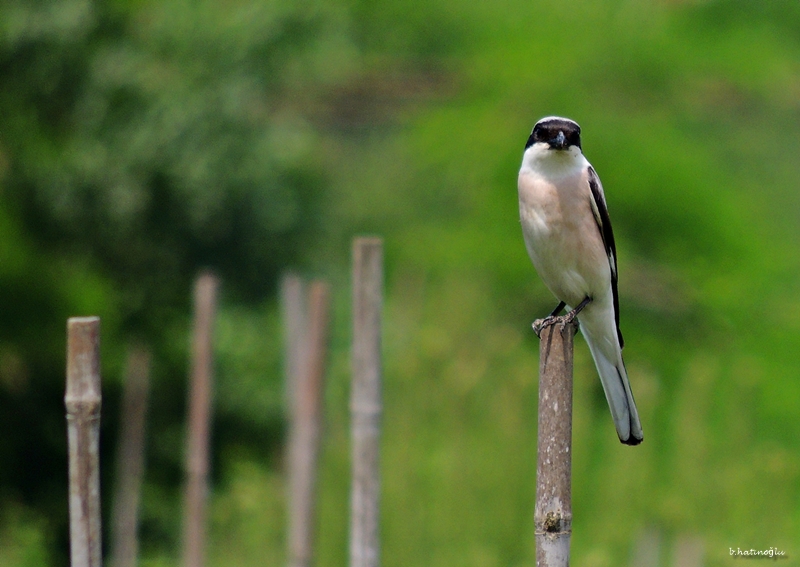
(559, 308)
(540, 325)
(570, 317)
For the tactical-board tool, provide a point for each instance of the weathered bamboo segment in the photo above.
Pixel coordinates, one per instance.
(688, 551)
(198, 441)
(553, 513)
(130, 458)
(365, 401)
(83, 400)
(293, 308)
(306, 425)
(646, 551)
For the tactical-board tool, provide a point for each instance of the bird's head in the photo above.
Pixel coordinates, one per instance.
(555, 133)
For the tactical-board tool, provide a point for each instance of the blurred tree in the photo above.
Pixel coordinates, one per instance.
(161, 137)
(139, 142)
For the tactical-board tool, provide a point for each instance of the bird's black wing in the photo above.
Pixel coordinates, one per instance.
(604, 225)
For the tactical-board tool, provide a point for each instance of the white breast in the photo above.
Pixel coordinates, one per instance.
(559, 228)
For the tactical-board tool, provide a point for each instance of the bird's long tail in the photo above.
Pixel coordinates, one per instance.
(607, 354)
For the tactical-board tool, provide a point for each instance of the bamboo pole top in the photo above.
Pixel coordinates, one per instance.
(83, 363)
(82, 400)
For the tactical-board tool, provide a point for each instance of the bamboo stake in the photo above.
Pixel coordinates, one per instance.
(197, 455)
(688, 551)
(365, 401)
(306, 425)
(553, 513)
(83, 400)
(130, 458)
(647, 549)
(293, 307)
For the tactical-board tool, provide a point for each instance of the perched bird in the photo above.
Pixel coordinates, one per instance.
(568, 236)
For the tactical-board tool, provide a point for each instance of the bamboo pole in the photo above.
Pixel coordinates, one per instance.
(647, 549)
(293, 308)
(306, 425)
(197, 455)
(83, 400)
(365, 401)
(688, 551)
(553, 512)
(130, 458)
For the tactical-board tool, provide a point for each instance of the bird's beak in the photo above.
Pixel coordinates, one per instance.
(559, 142)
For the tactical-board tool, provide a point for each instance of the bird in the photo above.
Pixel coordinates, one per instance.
(568, 236)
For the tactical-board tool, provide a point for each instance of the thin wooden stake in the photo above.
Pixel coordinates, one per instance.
(83, 400)
(197, 455)
(130, 458)
(365, 401)
(647, 549)
(553, 513)
(688, 551)
(293, 307)
(306, 424)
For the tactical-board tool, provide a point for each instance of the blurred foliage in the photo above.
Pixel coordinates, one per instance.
(159, 137)
(143, 140)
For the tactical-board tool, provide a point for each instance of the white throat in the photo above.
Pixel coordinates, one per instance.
(553, 164)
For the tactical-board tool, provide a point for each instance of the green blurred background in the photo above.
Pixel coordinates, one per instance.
(143, 140)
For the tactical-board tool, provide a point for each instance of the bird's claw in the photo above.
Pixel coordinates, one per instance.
(568, 319)
(562, 321)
